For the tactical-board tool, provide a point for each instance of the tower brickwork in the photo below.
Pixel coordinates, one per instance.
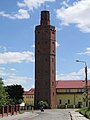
(45, 61)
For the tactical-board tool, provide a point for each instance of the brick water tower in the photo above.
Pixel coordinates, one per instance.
(45, 61)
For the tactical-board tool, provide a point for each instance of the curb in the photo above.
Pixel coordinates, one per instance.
(77, 116)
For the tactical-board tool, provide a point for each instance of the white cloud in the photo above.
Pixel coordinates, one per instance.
(9, 77)
(77, 14)
(31, 4)
(57, 44)
(65, 3)
(12, 69)
(87, 52)
(2, 72)
(2, 13)
(14, 79)
(24, 8)
(33, 86)
(16, 57)
(80, 75)
(58, 28)
(33, 46)
(21, 14)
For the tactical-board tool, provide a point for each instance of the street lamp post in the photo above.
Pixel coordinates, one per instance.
(85, 80)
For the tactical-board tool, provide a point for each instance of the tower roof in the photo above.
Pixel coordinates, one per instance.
(45, 18)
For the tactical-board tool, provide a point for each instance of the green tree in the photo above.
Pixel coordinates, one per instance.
(15, 93)
(43, 104)
(3, 93)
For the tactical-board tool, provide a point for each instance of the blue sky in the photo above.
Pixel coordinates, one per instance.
(18, 19)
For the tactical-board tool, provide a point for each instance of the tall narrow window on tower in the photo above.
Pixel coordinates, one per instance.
(45, 39)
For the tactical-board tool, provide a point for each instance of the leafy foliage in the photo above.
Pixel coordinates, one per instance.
(3, 94)
(43, 104)
(85, 111)
(15, 93)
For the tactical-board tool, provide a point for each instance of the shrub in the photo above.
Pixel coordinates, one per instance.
(85, 111)
(43, 104)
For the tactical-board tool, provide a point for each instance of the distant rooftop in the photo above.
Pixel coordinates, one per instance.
(29, 92)
(64, 84)
(71, 83)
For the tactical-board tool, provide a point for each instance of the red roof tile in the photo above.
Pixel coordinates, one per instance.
(71, 83)
(30, 92)
(64, 84)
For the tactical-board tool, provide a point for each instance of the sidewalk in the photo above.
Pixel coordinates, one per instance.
(77, 116)
(24, 116)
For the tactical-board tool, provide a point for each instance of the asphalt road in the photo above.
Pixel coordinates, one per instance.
(52, 114)
(58, 114)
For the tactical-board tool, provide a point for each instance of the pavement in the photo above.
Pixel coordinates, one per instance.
(27, 115)
(77, 116)
(23, 116)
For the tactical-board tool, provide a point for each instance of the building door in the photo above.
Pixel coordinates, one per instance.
(79, 104)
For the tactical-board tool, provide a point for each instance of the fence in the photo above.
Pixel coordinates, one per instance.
(9, 110)
(68, 106)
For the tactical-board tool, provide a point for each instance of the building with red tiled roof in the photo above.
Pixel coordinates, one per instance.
(28, 97)
(68, 92)
(71, 83)
(71, 93)
(29, 92)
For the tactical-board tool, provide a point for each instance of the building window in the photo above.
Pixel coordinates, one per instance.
(53, 51)
(68, 90)
(53, 32)
(52, 83)
(68, 101)
(53, 43)
(60, 101)
(80, 90)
